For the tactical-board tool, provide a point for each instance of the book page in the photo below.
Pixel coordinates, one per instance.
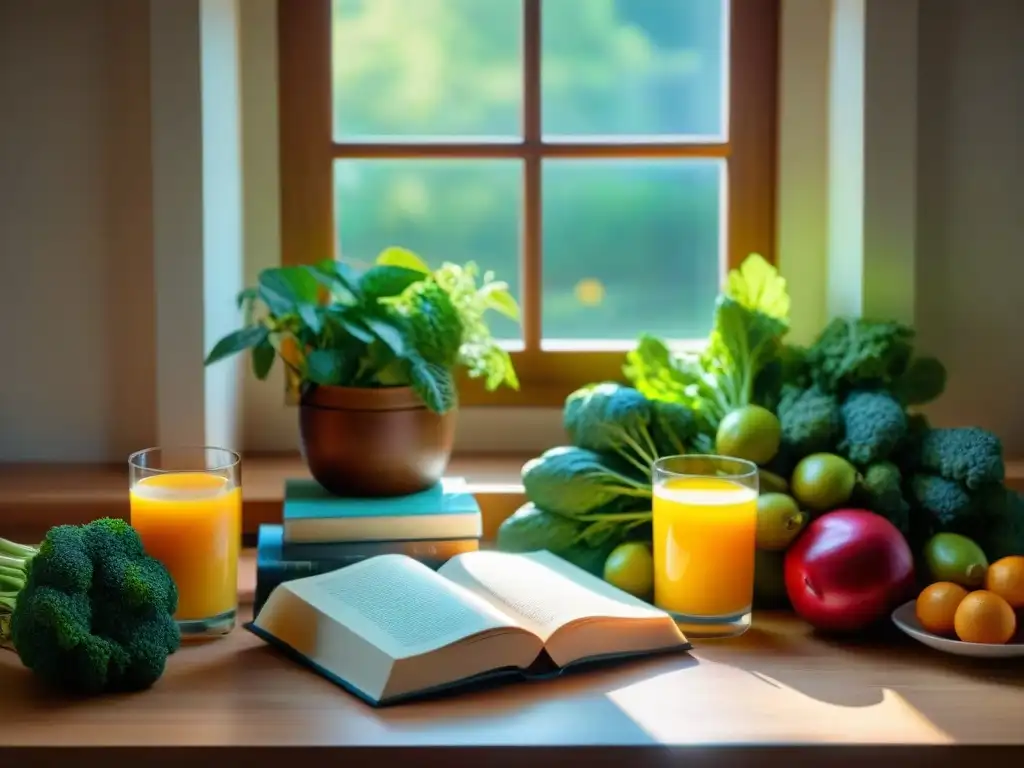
(401, 605)
(577, 615)
(543, 590)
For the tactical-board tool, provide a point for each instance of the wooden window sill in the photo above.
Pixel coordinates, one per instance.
(34, 497)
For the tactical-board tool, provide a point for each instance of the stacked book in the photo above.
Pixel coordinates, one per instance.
(321, 532)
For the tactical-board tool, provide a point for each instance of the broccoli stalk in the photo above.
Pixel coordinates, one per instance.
(14, 564)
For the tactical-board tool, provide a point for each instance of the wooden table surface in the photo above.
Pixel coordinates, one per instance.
(777, 685)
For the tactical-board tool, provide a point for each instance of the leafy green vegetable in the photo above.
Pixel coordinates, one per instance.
(673, 428)
(810, 421)
(948, 504)
(741, 364)
(531, 529)
(610, 418)
(923, 381)
(969, 455)
(1000, 532)
(577, 482)
(95, 613)
(743, 343)
(860, 353)
(880, 489)
(874, 425)
(757, 286)
(396, 324)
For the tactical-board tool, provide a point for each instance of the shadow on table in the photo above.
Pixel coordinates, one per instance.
(857, 671)
(26, 696)
(508, 710)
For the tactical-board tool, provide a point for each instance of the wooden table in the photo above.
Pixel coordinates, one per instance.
(775, 695)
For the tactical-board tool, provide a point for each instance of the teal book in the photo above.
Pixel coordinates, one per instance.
(446, 511)
(277, 562)
(390, 629)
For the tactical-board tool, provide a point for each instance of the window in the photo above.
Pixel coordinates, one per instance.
(609, 158)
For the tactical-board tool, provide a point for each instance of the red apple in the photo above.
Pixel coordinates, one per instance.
(848, 569)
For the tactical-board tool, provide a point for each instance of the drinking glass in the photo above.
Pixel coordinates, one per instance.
(186, 504)
(705, 518)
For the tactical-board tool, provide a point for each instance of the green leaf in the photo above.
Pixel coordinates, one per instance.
(375, 357)
(353, 328)
(655, 372)
(400, 257)
(284, 288)
(263, 355)
(383, 281)
(434, 384)
(236, 341)
(245, 300)
(323, 366)
(310, 316)
(757, 286)
(335, 276)
(387, 333)
(395, 373)
(500, 300)
(245, 296)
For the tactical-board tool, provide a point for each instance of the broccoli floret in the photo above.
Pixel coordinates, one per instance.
(948, 504)
(859, 353)
(95, 613)
(810, 421)
(874, 424)
(881, 490)
(908, 452)
(1001, 527)
(969, 455)
(923, 381)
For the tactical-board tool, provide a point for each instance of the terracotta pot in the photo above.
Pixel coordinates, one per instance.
(373, 441)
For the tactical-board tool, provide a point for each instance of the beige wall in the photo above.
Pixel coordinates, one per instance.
(77, 372)
(970, 263)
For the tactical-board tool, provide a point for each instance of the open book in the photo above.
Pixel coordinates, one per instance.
(390, 628)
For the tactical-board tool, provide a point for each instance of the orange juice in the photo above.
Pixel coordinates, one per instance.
(192, 523)
(704, 546)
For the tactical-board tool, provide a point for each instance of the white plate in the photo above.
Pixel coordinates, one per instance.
(904, 617)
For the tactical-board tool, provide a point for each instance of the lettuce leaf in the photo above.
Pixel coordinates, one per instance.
(743, 354)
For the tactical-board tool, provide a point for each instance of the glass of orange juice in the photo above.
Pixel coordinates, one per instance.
(186, 504)
(704, 521)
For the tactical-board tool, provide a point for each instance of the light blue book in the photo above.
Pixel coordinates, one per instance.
(390, 629)
(446, 511)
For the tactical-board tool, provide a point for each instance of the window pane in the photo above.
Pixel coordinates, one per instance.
(631, 246)
(407, 69)
(444, 210)
(633, 67)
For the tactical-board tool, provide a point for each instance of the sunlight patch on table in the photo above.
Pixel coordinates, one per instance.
(713, 703)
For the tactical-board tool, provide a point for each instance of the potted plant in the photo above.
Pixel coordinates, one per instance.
(373, 356)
